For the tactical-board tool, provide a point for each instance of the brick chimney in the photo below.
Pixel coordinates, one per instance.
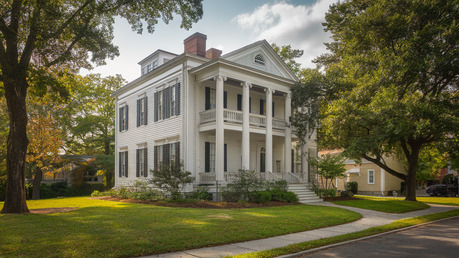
(196, 44)
(213, 53)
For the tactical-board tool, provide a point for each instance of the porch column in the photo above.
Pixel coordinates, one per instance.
(219, 131)
(245, 125)
(269, 130)
(288, 135)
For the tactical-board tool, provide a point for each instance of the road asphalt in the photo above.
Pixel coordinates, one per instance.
(370, 219)
(437, 239)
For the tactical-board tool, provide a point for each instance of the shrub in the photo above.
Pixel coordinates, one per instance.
(231, 196)
(172, 178)
(277, 195)
(202, 194)
(260, 197)
(351, 186)
(289, 197)
(245, 182)
(322, 192)
(346, 194)
(96, 194)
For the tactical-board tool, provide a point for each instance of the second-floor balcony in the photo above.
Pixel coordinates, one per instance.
(234, 116)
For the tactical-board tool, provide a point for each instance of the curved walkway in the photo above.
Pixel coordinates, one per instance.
(370, 219)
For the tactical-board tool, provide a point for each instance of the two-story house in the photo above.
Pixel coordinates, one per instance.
(214, 114)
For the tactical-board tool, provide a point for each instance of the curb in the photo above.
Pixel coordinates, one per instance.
(306, 252)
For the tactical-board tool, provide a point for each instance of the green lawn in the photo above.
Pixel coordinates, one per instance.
(105, 228)
(390, 205)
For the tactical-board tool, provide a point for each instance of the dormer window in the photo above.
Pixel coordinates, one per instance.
(259, 59)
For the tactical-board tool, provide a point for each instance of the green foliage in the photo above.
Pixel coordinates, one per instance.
(346, 193)
(329, 167)
(389, 82)
(201, 194)
(288, 55)
(260, 197)
(289, 197)
(431, 161)
(277, 185)
(171, 178)
(324, 192)
(245, 182)
(351, 186)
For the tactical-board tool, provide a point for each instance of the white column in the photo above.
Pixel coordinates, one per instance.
(383, 181)
(269, 130)
(219, 131)
(305, 154)
(288, 135)
(245, 125)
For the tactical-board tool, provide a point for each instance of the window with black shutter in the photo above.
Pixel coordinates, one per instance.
(225, 99)
(225, 163)
(239, 102)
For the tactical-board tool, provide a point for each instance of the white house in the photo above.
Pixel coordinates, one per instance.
(214, 114)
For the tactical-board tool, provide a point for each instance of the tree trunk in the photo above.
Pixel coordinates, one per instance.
(15, 92)
(36, 184)
(410, 183)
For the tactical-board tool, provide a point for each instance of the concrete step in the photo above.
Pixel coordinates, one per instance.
(305, 195)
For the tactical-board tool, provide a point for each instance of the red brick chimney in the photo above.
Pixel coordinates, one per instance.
(196, 44)
(213, 53)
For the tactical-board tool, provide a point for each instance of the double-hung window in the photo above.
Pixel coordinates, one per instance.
(166, 154)
(142, 111)
(142, 165)
(167, 102)
(210, 154)
(371, 176)
(123, 115)
(211, 98)
(123, 164)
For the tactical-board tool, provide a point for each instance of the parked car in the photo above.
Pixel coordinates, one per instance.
(442, 190)
(437, 190)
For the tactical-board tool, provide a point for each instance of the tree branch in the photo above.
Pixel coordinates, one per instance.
(385, 167)
(32, 37)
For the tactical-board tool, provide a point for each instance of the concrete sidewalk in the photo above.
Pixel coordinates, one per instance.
(370, 219)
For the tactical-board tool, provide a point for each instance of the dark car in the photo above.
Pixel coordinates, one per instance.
(437, 190)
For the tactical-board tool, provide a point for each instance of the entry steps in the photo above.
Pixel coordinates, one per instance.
(305, 195)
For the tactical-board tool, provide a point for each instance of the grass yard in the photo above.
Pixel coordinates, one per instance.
(390, 205)
(440, 200)
(106, 228)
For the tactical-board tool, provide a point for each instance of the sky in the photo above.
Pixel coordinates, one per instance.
(229, 25)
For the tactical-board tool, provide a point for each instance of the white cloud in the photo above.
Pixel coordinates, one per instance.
(286, 24)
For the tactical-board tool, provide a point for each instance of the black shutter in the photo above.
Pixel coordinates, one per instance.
(250, 104)
(261, 107)
(177, 99)
(145, 162)
(177, 153)
(137, 160)
(146, 111)
(120, 164)
(165, 103)
(126, 118)
(225, 162)
(121, 113)
(156, 157)
(207, 98)
(156, 106)
(207, 157)
(126, 161)
(166, 153)
(292, 160)
(239, 102)
(273, 109)
(225, 98)
(138, 112)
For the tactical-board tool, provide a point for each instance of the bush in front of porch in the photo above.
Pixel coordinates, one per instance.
(248, 186)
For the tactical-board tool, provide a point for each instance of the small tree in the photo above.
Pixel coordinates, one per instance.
(329, 167)
(172, 178)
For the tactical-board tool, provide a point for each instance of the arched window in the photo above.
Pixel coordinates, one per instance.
(259, 59)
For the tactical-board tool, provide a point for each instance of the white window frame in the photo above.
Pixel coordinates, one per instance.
(213, 98)
(172, 101)
(259, 59)
(372, 177)
(212, 149)
(123, 118)
(142, 111)
(142, 167)
(149, 67)
(122, 157)
(154, 64)
(160, 105)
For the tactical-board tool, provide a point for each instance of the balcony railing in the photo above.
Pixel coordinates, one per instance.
(235, 116)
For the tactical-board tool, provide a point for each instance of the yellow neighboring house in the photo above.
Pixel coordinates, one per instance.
(371, 179)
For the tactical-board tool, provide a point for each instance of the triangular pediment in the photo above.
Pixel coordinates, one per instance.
(260, 55)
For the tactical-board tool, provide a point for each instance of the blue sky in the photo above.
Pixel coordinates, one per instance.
(229, 25)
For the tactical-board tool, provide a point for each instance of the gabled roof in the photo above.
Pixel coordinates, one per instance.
(273, 63)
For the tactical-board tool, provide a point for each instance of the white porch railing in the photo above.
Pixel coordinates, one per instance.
(257, 120)
(232, 116)
(235, 116)
(207, 116)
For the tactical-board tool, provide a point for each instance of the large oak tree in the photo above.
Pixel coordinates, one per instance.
(390, 80)
(39, 36)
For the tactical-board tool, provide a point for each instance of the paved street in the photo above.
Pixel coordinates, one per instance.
(440, 239)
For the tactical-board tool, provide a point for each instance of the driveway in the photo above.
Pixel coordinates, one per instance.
(439, 239)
